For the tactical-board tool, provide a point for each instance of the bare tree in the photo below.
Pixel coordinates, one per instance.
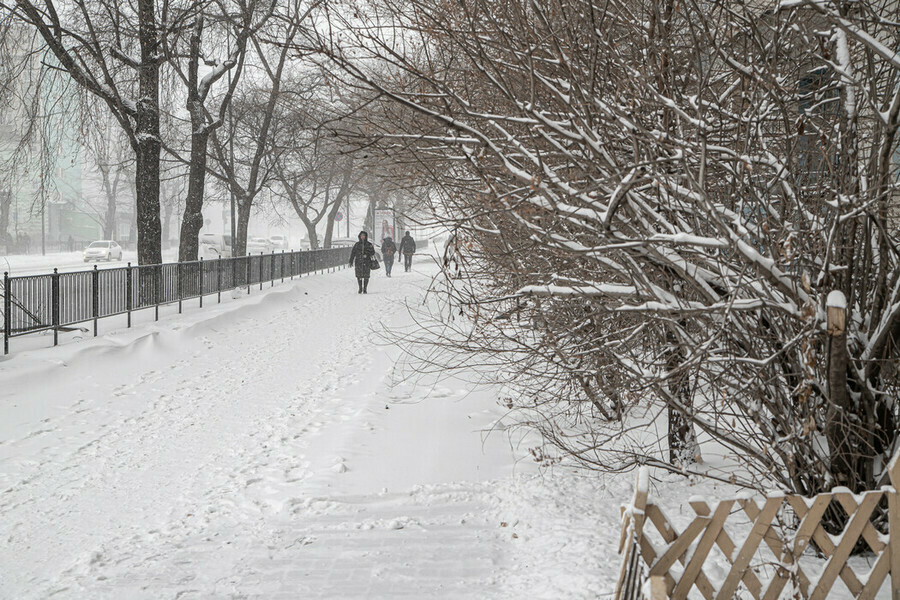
(217, 42)
(112, 50)
(105, 149)
(651, 202)
(245, 153)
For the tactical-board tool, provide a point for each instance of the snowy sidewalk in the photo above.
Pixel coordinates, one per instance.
(259, 450)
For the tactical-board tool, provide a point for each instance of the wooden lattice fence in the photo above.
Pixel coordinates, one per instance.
(763, 549)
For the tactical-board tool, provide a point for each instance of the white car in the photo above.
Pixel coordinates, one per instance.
(279, 242)
(215, 245)
(103, 250)
(255, 245)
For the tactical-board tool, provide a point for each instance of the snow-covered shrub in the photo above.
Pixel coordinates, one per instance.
(652, 200)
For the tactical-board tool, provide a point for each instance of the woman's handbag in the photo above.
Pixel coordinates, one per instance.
(373, 264)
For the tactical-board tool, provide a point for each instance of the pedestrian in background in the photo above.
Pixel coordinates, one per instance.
(388, 250)
(407, 249)
(361, 259)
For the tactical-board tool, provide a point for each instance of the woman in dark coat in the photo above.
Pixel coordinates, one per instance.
(388, 250)
(361, 258)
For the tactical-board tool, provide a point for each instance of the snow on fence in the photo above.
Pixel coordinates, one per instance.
(55, 302)
(771, 549)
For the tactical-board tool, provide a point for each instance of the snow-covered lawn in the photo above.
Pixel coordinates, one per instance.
(36, 264)
(263, 449)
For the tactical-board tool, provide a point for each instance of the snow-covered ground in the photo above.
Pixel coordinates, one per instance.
(36, 264)
(263, 448)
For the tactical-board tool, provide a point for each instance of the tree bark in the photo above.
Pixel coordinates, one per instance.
(147, 136)
(5, 203)
(192, 220)
(244, 205)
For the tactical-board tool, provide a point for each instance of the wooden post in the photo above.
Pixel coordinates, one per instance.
(894, 524)
(633, 517)
(657, 588)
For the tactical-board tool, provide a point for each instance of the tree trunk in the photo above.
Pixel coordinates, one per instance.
(244, 205)
(841, 441)
(329, 226)
(5, 204)
(311, 234)
(683, 446)
(149, 242)
(192, 221)
(343, 192)
(166, 222)
(109, 219)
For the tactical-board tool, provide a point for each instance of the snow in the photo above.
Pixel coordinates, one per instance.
(35, 264)
(269, 447)
(262, 448)
(836, 299)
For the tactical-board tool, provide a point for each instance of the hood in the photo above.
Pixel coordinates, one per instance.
(363, 233)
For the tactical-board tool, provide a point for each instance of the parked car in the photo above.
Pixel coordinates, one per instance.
(342, 242)
(215, 245)
(255, 245)
(103, 250)
(280, 242)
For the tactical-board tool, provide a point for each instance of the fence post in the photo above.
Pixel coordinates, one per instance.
(249, 269)
(282, 266)
(7, 312)
(178, 287)
(54, 304)
(262, 259)
(95, 296)
(219, 278)
(201, 282)
(128, 286)
(894, 524)
(158, 289)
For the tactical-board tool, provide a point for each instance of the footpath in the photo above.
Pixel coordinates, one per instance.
(267, 449)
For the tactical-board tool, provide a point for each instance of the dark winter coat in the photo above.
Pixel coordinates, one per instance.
(407, 245)
(388, 249)
(361, 258)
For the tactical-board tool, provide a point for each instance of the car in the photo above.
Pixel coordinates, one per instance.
(255, 245)
(343, 242)
(102, 250)
(279, 242)
(215, 245)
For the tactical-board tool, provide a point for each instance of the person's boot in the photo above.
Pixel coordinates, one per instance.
(365, 286)
(359, 281)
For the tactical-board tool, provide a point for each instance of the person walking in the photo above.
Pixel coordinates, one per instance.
(361, 259)
(388, 250)
(407, 249)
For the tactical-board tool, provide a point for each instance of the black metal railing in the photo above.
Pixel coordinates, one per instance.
(57, 301)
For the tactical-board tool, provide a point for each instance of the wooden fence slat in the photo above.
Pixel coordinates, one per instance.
(727, 546)
(649, 553)
(838, 559)
(826, 546)
(677, 548)
(708, 529)
(729, 586)
(876, 575)
(894, 542)
(869, 533)
(781, 551)
(695, 565)
(809, 519)
(667, 532)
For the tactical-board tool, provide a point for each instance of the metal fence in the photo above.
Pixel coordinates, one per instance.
(56, 301)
